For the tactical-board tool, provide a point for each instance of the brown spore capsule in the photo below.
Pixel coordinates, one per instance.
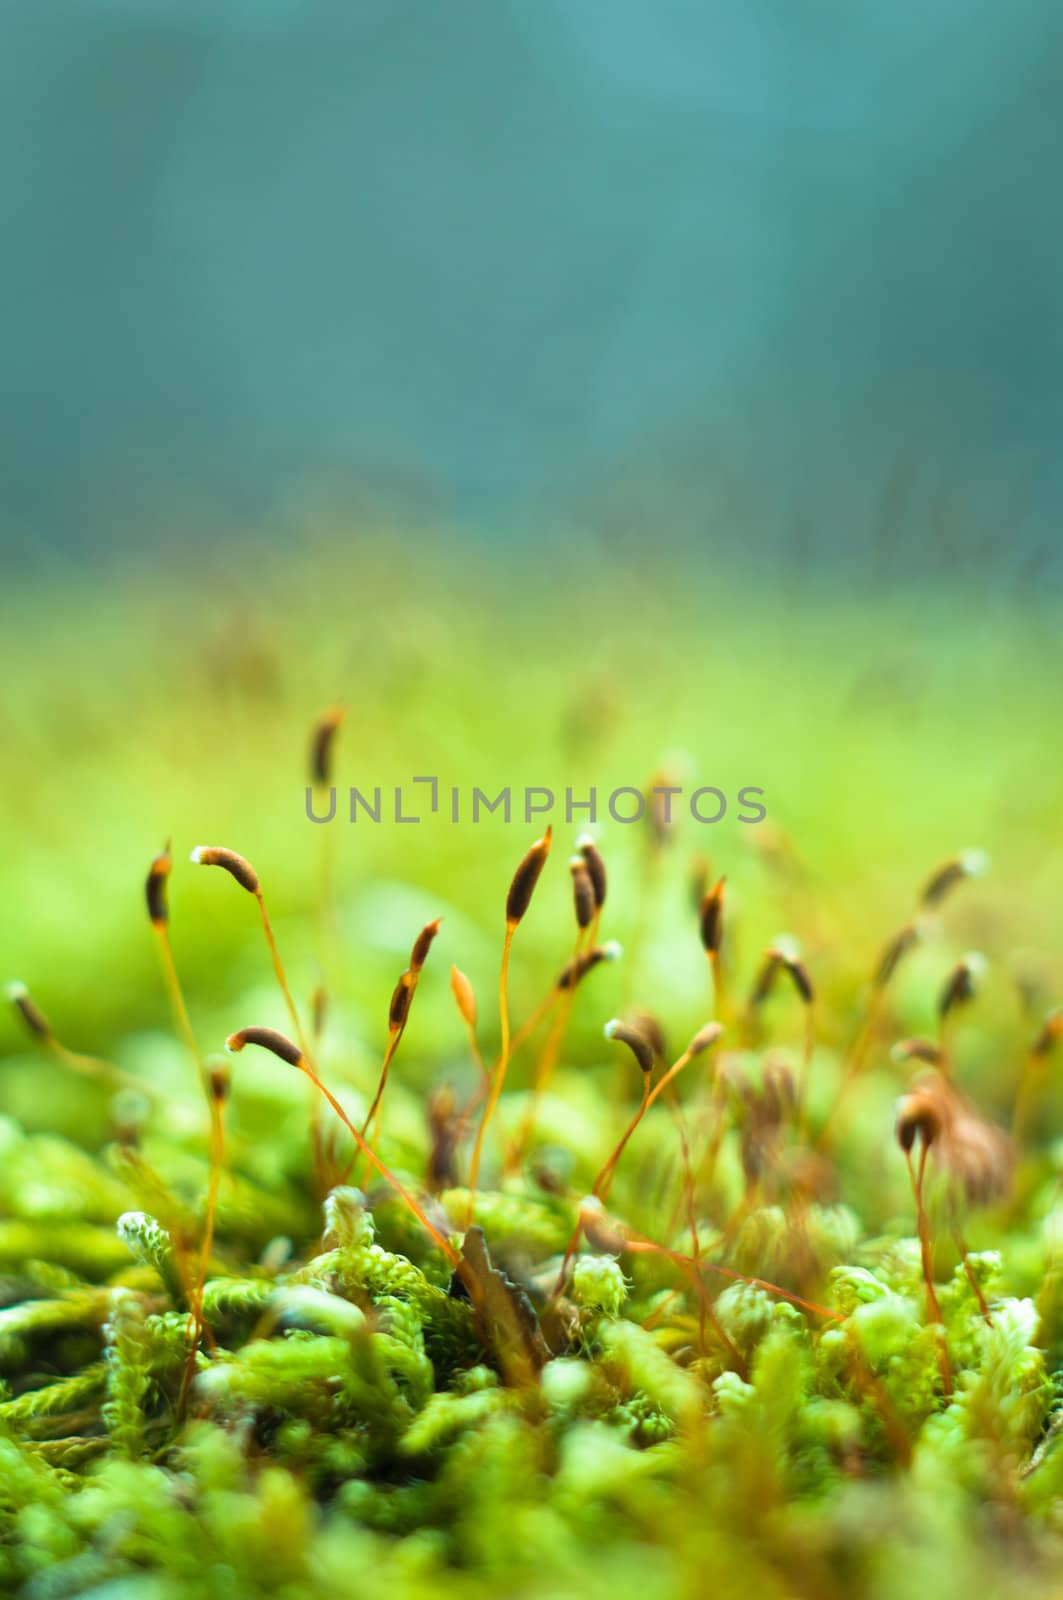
(525, 878)
(321, 743)
(800, 978)
(969, 864)
(216, 855)
(583, 897)
(712, 918)
(705, 1038)
(220, 1084)
(29, 1011)
(646, 1023)
(637, 1043)
(892, 956)
(578, 968)
(917, 1118)
(422, 944)
(399, 1009)
(595, 864)
(1050, 1035)
(924, 1050)
(270, 1039)
(764, 982)
(959, 986)
(155, 887)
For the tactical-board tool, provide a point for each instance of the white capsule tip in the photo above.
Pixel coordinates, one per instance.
(976, 863)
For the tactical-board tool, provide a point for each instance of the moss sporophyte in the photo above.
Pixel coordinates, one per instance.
(547, 1308)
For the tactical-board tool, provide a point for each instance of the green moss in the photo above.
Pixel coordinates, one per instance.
(646, 1422)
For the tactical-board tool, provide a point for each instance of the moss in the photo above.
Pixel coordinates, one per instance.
(735, 1383)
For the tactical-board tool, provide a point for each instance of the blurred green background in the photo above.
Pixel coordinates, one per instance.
(886, 732)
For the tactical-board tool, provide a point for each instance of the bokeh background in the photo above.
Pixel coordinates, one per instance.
(780, 279)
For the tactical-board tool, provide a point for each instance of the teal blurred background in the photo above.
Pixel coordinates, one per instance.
(782, 280)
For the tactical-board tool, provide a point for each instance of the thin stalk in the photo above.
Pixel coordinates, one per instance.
(182, 1021)
(97, 1067)
(389, 1177)
(854, 1066)
(282, 980)
(217, 1166)
(499, 1075)
(602, 1182)
(604, 1179)
(321, 1177)
(719, 987)
(961, 1245)
(1029, 1081)
(933, 1307)
(807, 1053)
(705, 1307)
(892, 1424)
(371, 1125)
(637, 1245)
(543, 1075)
